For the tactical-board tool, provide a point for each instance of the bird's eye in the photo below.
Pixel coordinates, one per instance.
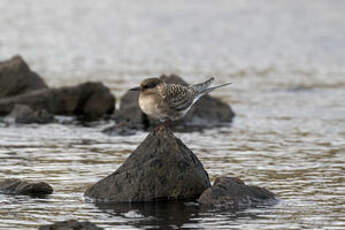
(149, 85)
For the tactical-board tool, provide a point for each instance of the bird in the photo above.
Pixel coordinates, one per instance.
(170, 101)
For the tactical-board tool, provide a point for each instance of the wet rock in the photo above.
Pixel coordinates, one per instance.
(231, 193)
(207, 112)
(16, 78)
(25, 115)
(89, 101)
(70, 225)
(20, 187)
(161, 168)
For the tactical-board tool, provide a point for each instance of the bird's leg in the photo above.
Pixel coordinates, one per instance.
(163, 124)
(166, 123)
(145, 121)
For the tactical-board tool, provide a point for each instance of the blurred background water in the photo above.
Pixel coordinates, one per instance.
(286, 60)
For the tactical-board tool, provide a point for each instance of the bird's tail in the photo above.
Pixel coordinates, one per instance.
(205, 91)
(203, 86)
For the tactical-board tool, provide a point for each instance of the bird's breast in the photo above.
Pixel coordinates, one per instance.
(149, 105)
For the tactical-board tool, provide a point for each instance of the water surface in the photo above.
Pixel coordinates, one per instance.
(286, 60)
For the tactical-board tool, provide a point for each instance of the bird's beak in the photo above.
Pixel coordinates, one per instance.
(135, 89)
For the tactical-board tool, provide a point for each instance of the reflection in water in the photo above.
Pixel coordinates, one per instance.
(165, 215)
(172, 215)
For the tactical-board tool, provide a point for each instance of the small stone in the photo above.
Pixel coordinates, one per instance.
(25, 115)
(231, 193)
(20, 187)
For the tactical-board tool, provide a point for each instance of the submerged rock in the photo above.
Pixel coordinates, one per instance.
(89, 101)
(25, 115)
(16, 78)
(207, 112)
(20, 187)
(70, 225)
(231, 193)
(161, 168)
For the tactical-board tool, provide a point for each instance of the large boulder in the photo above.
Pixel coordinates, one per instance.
(161, 168)
(16, 78)
(70, 225)
(20, 187)
(89, 101)
(207, 112)
(231, 193)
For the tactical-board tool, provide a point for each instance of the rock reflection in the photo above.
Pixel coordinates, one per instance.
(177, 215)
(162, 215)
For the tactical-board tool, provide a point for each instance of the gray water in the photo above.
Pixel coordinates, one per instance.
(286, 60)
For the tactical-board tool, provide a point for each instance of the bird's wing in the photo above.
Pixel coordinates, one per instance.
(179, 97)
(203, 86)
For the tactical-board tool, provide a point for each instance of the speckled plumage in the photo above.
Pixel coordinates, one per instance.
(165, 101)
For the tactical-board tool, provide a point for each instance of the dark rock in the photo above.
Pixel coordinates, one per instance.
(231, 193)
(207, 112)
(20, 187)
(70, 225)
(161, 168)
(130, 112)
(210, 111)
(16, 78)
(25, 115)
(89, 101)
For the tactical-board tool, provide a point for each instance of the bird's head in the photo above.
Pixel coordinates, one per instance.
(149, 85)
